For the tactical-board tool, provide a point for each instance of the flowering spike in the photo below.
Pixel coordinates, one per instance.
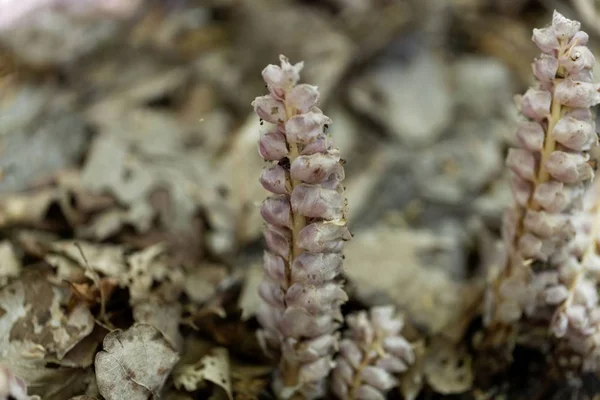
(550, 174)
(306, 228)
(371, 353)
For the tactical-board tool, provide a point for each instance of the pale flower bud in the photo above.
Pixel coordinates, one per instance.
(521, 189)
(316, 267)
(276, 210)
(393, 364)
(574, 134)
(274, 267)
(275, 180)
(311, 350)
(322, 143)
(545, 68)
(577, 94)
(269, 109)
(531, 135)
(378, 378)
(303, 97)
(278, 241)
(369, 393)
(544, 224)
(577, 316)
(553, 196)
(522, 162)
(315, 202)
(271, 293)
(578, 59)
(317, 370)
(569, 167)
(564, 28)
(323, 237)
(304, 128)
(545, 39)
(556, 294)
(399, 347)
(282, 78)
(316, 168)
(272, 146)
(316, 299)
(559, 324)
(297, 323)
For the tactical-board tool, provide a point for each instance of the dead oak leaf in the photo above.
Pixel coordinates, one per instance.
(32, 312)
(213, 367)
(134, 364)
(151, 274)
(163, 316)
(36, 330)
(10, 265)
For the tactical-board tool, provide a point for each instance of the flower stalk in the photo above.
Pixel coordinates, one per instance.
(305, 231)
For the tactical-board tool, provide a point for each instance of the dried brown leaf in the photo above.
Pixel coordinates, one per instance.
(164, 317)
(448, 368)
(32, 313)
(134, 364)
(249, 301)
(10, 265)
(201, 282)
(213, 367)
(111, 222)
(108, 260)
(151, 274)
(26, 209)
(413, 272)
(35, 329)
(109, 169)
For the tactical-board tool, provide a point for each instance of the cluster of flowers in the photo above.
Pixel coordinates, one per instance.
(372, 353)
(305, 232)
(550, 234)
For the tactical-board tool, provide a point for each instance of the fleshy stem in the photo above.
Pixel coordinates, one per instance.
(299, 221)
(541, 177)
(366, 361)
(290, 376)
(542, 173)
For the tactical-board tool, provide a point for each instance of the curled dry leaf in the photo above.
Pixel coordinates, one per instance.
(164, 317)
(213, 367)
(32, 313)
(249, 301)
(68, 257)
(10, 265)
(134, 364)
(152, 275)
(26, 209)
(36, 329)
